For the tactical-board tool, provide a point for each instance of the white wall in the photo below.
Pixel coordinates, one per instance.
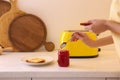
(60, 15)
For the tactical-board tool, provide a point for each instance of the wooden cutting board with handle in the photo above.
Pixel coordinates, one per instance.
(5, 21)
(4, 7)
(24, 32)
(28, 33)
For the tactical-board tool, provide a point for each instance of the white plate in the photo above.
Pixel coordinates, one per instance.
(48, 60)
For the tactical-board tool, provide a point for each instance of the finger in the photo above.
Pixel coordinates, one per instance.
(83, 34)
(75, 33)
(88, 27)
(74, 39)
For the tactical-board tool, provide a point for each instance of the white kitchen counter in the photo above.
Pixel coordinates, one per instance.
(105, 65)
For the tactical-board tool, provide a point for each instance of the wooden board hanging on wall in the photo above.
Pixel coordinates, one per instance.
(5, 21)
(4, 7)
(27, 32)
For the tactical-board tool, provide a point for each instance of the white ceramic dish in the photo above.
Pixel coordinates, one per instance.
(48, 59)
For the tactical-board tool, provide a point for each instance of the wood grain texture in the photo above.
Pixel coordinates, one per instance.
(6, 20)
(49, 46)
(4, 7)
(27, 32)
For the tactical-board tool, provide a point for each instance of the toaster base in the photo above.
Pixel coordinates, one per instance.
(84, 56)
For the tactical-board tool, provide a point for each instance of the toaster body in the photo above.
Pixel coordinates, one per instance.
(78, 49)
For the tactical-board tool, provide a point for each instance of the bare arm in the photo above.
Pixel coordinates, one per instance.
(101, 42)
(113, 26)
(92, 43)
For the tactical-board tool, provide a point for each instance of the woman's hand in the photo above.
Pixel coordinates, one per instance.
(83, 37)
(97, 26)
(79, 35)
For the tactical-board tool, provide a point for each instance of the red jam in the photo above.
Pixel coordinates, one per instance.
(63, 58)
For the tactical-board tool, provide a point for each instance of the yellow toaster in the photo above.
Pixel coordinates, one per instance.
(78, 49)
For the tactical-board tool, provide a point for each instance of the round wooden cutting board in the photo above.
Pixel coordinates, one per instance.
(4, 7)
(27, 32)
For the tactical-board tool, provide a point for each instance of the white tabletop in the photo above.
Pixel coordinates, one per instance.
(105, 65)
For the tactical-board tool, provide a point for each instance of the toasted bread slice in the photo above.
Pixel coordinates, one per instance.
(35, 60)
